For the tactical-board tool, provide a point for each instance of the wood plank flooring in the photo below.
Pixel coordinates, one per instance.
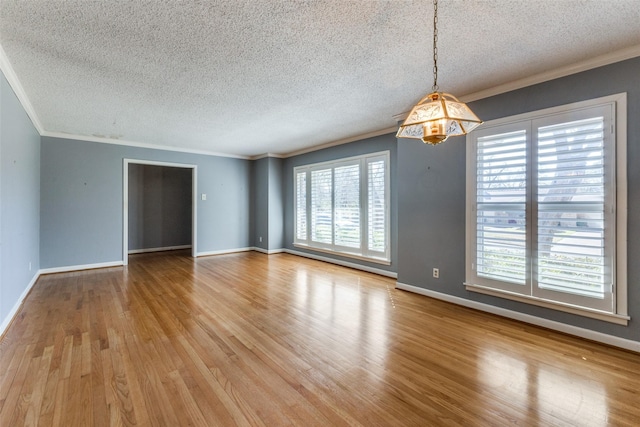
(254, 340)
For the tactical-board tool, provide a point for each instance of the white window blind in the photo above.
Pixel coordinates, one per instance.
(376, 187)
(501, 207)
(321, 206)
(347, 206)
(343, 206)
(571, 212)
(301, 205)
(542, 217)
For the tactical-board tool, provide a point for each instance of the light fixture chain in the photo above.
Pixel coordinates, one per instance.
(435, 46)
(438, 115)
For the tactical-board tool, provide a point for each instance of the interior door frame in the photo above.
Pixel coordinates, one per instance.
(125, 202)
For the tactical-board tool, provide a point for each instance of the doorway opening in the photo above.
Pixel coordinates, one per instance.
(154, 215)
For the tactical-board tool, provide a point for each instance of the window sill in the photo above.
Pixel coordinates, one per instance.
(344, 254)
(568, 308)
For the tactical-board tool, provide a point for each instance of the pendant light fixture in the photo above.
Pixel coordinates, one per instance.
(438, 115)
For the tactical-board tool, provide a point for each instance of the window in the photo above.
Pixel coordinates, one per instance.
(546, 208)
(343, 206)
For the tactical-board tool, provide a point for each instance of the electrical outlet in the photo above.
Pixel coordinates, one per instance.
(260, 239)
(29, 265)
(436, 273)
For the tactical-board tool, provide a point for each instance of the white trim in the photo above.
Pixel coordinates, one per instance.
(342, 160)
(105, 140)
(194, 211)
(17, 87)
(534, 320)
(163, 249)
(125, 211)
(588, 64)
(128, 143)
(305, 255)
(373, 270)
(622, 237)
(125, 201)
(620, 99)
(16, 307)
(341, 142)
(267, 251)
(266, 155)
(157, 163)
(553, 305)
(224, 251)
(14, 82)
(81, 267)
(591, 63)
(381, 261)
(617, 101)
(362, 252)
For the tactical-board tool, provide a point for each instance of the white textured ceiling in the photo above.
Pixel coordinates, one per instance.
(253, 77)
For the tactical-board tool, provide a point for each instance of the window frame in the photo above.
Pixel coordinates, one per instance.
(363, 252)
(619, 306)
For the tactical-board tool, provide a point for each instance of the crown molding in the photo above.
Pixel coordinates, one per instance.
(265, 155)
(14, 82)
(342, 141)
(589, 64)
(104, 140)
(17, 87)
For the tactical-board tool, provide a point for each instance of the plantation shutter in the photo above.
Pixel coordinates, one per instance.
(301, 205)
(571, 187)
(546, 214)
(321, 206)
(343, 206)
(347, 206)
(376, 230)
(501, 196)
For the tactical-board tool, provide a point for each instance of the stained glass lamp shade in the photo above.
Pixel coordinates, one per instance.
(437, 117)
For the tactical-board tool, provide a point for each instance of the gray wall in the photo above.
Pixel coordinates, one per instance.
(160, 199)
(19, 199)
(71, 191)
(371, 145)
(431, 194)
(261, 203)
(275, 204)
(268, 203)
(81, 200)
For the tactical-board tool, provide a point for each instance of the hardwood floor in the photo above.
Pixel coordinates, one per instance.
(250, 339)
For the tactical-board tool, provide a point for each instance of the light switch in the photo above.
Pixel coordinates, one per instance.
(204, 196)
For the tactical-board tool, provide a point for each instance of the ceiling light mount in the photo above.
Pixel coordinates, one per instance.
(438, 115)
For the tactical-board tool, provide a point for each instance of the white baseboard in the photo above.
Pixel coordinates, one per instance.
(224, 251)
(247, 249)
(165, 248)
(268, 251)
(527, 318)
(7, 320)
(344, 263)
(306, 255)
(81, 267)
